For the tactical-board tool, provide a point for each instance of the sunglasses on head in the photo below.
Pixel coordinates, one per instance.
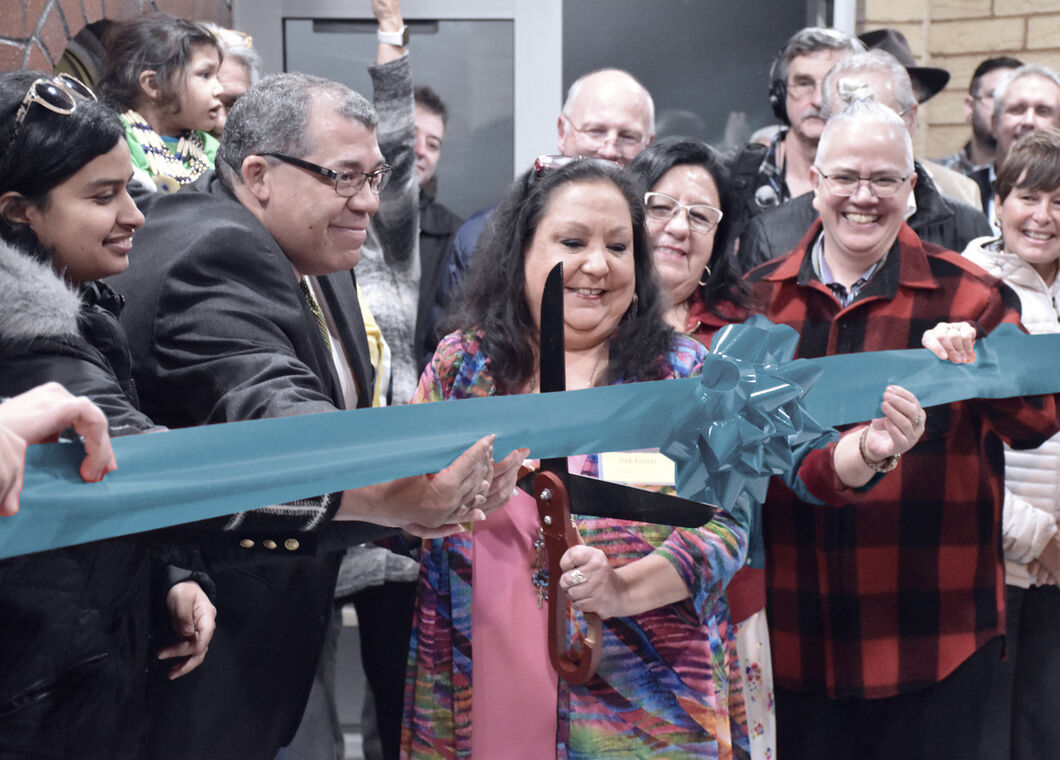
(59, 94)
(546, 162)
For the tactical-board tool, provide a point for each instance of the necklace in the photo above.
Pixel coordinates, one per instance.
(184, 166)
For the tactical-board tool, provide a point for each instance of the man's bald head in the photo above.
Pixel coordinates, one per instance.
(607, 114)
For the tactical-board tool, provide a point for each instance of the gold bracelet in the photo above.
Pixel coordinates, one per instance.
(886, 465)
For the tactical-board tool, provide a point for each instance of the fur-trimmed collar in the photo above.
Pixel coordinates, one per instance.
(35, 302)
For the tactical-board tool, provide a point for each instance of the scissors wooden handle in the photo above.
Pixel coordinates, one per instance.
(575, 664)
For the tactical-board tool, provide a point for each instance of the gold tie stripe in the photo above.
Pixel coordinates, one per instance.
(318, 313)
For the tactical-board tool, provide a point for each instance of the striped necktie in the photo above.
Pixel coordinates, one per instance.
(318, 313)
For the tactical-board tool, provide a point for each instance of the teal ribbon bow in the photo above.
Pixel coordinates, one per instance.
(729, 431)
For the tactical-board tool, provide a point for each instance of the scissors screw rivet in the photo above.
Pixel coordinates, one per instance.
(547, 519)
(546, 495)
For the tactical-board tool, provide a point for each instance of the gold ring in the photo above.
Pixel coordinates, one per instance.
(577, 577)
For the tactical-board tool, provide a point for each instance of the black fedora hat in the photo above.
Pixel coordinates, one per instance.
(928, 81)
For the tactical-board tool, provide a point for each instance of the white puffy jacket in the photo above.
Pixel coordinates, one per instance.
(1032, 478)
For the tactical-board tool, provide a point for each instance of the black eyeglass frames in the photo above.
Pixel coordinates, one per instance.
(347, 184)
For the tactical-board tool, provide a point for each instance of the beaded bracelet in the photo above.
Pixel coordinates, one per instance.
(886, 465)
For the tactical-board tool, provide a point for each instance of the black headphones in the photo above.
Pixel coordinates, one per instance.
(778, 86)
(778, 90)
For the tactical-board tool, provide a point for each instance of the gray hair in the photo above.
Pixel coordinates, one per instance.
(239, 46)
(1027, 70)
(248, 58)
(575, 88)
(862, 112)
(879, 61)
(272, 116)
(812, 39)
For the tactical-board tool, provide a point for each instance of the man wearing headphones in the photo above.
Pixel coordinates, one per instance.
(765, 176)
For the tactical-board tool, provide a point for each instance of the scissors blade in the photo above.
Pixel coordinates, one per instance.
(553, 372)
(593, 497)
(552, 362)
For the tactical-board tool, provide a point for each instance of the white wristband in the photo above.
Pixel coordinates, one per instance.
(400, 38)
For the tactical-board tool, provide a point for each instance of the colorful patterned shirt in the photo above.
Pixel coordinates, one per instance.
(663, 686)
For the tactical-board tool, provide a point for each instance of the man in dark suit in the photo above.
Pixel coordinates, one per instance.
(242, 305)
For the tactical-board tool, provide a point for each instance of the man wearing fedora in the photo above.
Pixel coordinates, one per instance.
(927, 82)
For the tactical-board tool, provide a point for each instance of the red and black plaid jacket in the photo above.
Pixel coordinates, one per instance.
(894, 589)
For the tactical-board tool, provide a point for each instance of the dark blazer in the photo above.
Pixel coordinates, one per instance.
(220, 331)
(981, 177)
(940, 220)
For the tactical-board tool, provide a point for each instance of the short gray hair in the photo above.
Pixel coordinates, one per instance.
(272, 116)
(812, 39)
(572, 94)
(1027, 70)
(237, 45)
(879, 61)
(248, 59)
(867, 112)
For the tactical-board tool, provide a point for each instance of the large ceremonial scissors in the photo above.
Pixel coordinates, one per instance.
(554, 489)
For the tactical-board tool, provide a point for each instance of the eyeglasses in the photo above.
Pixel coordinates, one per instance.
(599, 135)
(59, 94)
(663, 208)
(845, 185)
(802, 87)
(347, 184)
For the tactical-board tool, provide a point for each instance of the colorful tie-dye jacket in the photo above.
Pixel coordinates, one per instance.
(663, 689)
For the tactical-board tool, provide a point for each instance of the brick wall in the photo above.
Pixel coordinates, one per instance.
(957, 35)
(34, 33)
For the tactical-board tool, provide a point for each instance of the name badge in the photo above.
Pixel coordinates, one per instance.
(648, 468)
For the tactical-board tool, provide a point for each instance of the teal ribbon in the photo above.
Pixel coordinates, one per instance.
(192, 474)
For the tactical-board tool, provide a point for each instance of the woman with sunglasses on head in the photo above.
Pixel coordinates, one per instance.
(160, 74)
(480, 682)
(75, 639)
(661, 694)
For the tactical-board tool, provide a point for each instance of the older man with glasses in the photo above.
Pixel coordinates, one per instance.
(766, 176)
(607, 114)
(242, 304)
(935, 217)
(886, 613)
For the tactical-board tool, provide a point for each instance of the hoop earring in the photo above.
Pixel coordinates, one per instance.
(631, 312)
(707, 270)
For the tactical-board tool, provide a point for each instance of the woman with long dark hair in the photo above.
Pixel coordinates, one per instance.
(689, 201)
(480, 683)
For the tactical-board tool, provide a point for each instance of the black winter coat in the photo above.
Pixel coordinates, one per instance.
(74, 623)
(940, 220)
